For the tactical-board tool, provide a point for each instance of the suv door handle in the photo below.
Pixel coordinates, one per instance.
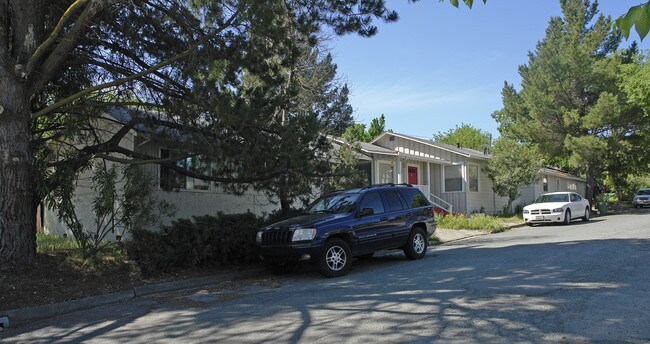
(383, 219)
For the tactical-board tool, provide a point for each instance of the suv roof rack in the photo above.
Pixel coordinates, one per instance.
(386, 184)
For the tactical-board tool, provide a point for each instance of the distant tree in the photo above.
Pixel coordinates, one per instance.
(377, 126)
(512, 165)
(569, 102)
(625, 159)
(357, 132)
(466, 135)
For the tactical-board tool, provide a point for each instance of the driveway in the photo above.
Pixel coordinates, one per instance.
(584, 282)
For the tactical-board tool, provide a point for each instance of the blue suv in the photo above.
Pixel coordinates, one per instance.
(351, 223)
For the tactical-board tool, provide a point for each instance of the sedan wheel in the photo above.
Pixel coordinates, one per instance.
(336, 258)
(567, 217)
(587, 213)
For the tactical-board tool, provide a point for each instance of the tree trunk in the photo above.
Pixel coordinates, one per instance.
(17, 189)
(285, 204)
(591, 181)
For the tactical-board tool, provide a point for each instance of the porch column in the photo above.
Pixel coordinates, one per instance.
(427, 180)
(399, 171)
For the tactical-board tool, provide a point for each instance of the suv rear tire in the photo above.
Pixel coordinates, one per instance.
(416, 247)
(336, 258)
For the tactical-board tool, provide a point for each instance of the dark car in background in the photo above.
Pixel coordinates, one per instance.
(351, 223)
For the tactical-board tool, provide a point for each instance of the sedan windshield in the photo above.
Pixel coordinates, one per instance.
(643, 192)
(552, 198)
(334, 203)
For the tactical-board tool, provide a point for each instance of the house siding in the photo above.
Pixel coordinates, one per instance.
(485, 198)
(190, 203)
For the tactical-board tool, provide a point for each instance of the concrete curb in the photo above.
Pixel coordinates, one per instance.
(26, 315)
(22, 316)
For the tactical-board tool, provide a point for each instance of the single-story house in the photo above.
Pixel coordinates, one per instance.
(450, 176)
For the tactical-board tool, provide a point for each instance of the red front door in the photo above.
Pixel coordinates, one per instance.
(413, 175)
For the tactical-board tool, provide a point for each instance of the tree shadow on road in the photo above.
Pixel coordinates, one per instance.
(562, 292)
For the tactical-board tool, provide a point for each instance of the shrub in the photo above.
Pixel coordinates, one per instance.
(236, 242)
(206, 241)
(151, 251)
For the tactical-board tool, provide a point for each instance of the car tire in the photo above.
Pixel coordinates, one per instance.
(567, 217)
(416, 246)
(587, 213)
(336, 258)
(529, 224)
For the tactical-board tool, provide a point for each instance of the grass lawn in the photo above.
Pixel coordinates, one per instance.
(490, 223)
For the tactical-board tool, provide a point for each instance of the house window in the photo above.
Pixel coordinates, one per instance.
(170, 179)
(453, 178)
(545, 184)
(557, 184)
(473, 178)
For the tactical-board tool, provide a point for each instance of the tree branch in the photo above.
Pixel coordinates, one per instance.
(38, 54)
(132, 77)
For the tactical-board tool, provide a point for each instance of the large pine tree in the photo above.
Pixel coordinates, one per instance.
(568, 101)
(63, 62)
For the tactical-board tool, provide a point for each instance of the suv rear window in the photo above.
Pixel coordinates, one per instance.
(414, 198)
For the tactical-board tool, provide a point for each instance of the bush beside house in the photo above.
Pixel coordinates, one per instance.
(224, 239)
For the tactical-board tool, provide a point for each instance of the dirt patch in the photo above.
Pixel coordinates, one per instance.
(53, 278)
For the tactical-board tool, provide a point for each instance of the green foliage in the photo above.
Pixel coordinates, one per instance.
(633, 184)
(579, 103)
(151, 251)
(357, 132)
(377, 127)
(49, 243)
(466, 135)
(512, 166)
(121, 202)
(194, 90)
(313, 106)
(207, 241)
(469, 3)
(637, 16)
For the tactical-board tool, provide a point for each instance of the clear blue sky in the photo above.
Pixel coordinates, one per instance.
(439, 66)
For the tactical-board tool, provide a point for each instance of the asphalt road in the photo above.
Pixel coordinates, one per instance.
(586, 282)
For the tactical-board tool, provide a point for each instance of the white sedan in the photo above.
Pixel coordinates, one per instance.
(557, 207)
